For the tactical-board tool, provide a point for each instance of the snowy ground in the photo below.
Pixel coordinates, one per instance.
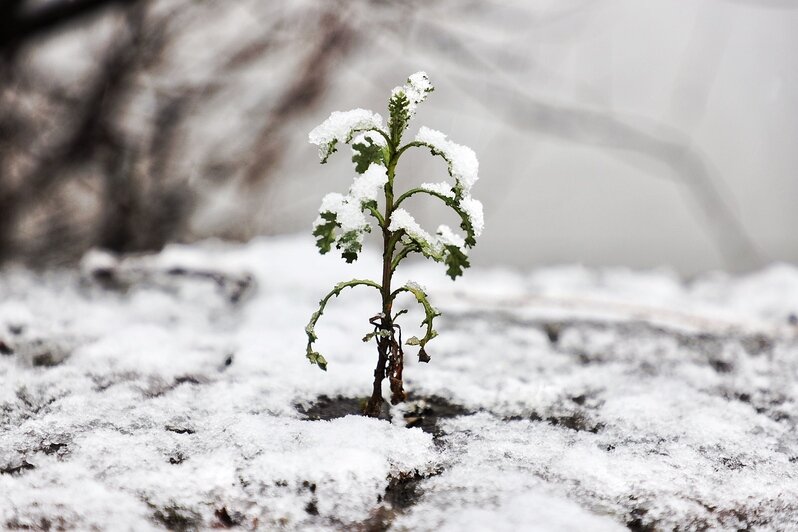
(172, 391)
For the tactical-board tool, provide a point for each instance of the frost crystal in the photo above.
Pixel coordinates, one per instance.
(444, 189)
(340, 127)
(463, 163)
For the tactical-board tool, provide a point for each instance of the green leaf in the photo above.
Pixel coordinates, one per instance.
(399, 110)
(381, 333)
(326, 232)
(328, 150)
(350, 246)
(454, 204)
(366, 154)
(316, 358)
(310, 329)
(429, 315)
(423, 356)
(456, 261)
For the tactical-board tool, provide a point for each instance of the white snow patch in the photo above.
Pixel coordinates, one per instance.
(444, 189)
(448, 238)
(463, 163)
(473, 209)
(416, 90)
(340, 126)
(403, 220)
(368, 185)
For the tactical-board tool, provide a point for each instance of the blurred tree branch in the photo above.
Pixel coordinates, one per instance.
(136, 183)
(19, 21)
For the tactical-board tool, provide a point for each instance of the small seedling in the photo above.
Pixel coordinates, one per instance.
(343, 220)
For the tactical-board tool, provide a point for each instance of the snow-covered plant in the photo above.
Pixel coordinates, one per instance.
(344, 220)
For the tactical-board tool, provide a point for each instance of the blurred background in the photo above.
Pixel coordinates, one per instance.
(611, 132)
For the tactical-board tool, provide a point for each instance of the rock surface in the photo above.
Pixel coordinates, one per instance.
(171, 391)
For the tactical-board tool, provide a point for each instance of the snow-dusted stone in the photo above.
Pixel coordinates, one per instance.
(559, 399)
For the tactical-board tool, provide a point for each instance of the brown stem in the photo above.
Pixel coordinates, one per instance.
(374, 407)
(384, 344)
(387, 348)
(395, 367)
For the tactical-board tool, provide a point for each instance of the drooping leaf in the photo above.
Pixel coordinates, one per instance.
(456, 261)
(326, 150)
(325, 232)
(350, 245)
(316, 358)
(430, 313)
(365, 154)
(403, 311)
(310, 329)
(423, 356)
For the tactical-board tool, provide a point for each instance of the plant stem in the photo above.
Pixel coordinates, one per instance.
(386, 344)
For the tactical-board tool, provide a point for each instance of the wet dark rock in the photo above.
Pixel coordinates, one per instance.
(312, 508)
(732, 463)
(224, 519)
(43, 352)
(178, 429)
(177, 518)
(43, 523)
(636, 522)
(327, 408)
(425, 413)
(379, 520)
(403, 491)
(577, 421)
(756, 344)
(159, 387)
(17, 468)
(401, 494)
(177, 458)
(33, 402)
(104, 381)
(5, 349)
(57, 448)
(721, 366)
(553, 331)
(579, 399)
(744, 397)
